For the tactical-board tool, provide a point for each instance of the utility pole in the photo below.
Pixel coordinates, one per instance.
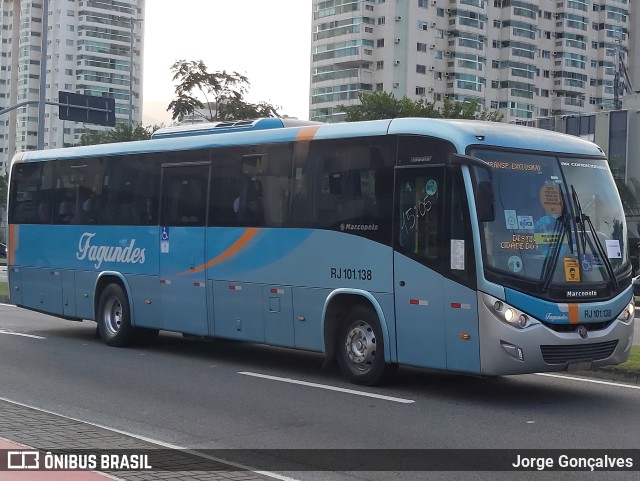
(132, 23)
(43, 73)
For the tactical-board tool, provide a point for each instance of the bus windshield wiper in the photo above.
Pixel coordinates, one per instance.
(584, 220)
(561, 228)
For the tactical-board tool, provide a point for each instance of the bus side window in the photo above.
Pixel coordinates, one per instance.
(78, 191)
(32, 193)
(130, 190)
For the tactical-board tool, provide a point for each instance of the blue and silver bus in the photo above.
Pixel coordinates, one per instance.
(474, 247)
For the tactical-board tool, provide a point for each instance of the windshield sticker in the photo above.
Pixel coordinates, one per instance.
(571, 270)
(511, 219)
(525, 222)
(432, 187)
(457, 254)
(542, 238)
(515, 264)
(582, 164)
(613, 249)
(519, 243)
(587, 262)
(515, 166)
(551, 199)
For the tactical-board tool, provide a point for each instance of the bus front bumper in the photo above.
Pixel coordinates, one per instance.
(508, 350)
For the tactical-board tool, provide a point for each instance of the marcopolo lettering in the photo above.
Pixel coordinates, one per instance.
(582, 293)
(102, 253)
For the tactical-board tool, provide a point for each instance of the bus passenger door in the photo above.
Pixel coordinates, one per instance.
(182, 245)
(418, 242)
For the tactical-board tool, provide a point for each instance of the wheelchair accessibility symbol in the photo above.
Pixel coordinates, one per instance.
(587, 262)
(164, 241)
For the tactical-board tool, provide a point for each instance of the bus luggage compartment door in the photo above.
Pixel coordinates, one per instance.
(419, 314)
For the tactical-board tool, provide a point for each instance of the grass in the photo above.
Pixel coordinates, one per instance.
(4, 290)
(633, 364)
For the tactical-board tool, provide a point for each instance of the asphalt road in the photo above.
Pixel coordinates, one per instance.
(215, 395)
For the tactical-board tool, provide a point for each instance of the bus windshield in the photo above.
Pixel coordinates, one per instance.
(557, 220)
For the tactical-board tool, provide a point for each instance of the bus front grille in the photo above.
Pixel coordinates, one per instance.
(584, 352)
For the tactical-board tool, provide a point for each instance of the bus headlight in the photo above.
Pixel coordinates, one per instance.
(506, 313)
(627, 313)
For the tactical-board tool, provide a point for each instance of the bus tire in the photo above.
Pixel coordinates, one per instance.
(114, 317)
(360, 348)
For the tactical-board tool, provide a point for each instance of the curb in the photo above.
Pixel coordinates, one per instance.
(611, 373)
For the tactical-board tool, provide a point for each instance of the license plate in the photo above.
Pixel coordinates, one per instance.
(579, 366)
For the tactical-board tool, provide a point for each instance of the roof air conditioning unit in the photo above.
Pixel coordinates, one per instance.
(396, 85)
(398, 18)
(396, 62)
(397, 40)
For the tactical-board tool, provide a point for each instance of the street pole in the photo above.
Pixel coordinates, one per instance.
(43, 73)
(131, 24)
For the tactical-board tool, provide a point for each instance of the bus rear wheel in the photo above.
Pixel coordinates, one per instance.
(114, 317)
(360, 349)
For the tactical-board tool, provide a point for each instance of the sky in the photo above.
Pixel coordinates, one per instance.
(267, 41)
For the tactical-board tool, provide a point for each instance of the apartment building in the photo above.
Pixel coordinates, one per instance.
(93, 47)
(527, 59)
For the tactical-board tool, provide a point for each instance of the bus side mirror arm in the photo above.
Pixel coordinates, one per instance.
(459, 159)
(484, 189)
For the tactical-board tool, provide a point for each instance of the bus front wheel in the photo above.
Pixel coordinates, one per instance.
(114, 317)
(360, 349)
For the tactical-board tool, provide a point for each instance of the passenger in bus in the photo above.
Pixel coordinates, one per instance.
(44, 213)
(65, 212)
(86, 213)
(248, 206)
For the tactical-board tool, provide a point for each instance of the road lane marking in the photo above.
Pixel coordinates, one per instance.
(329, 388)
(593, 381)
(2, 331)
(146, 439)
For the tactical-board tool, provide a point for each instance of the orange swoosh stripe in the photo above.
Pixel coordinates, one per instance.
(234, 248)
(307, 133)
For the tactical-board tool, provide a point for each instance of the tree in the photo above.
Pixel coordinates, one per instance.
(122, 132)
(3, 187)
(384, 105)
(221, 94)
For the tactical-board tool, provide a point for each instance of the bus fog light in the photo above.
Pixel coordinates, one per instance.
(498, 306)
(513, 351)
(509, 314)
(523, 320)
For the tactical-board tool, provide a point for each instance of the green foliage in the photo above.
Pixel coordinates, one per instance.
(120, 133)
(384, 105)
(4, 185)
(221, 93)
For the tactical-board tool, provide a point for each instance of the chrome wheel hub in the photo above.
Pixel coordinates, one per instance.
(361, 345)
